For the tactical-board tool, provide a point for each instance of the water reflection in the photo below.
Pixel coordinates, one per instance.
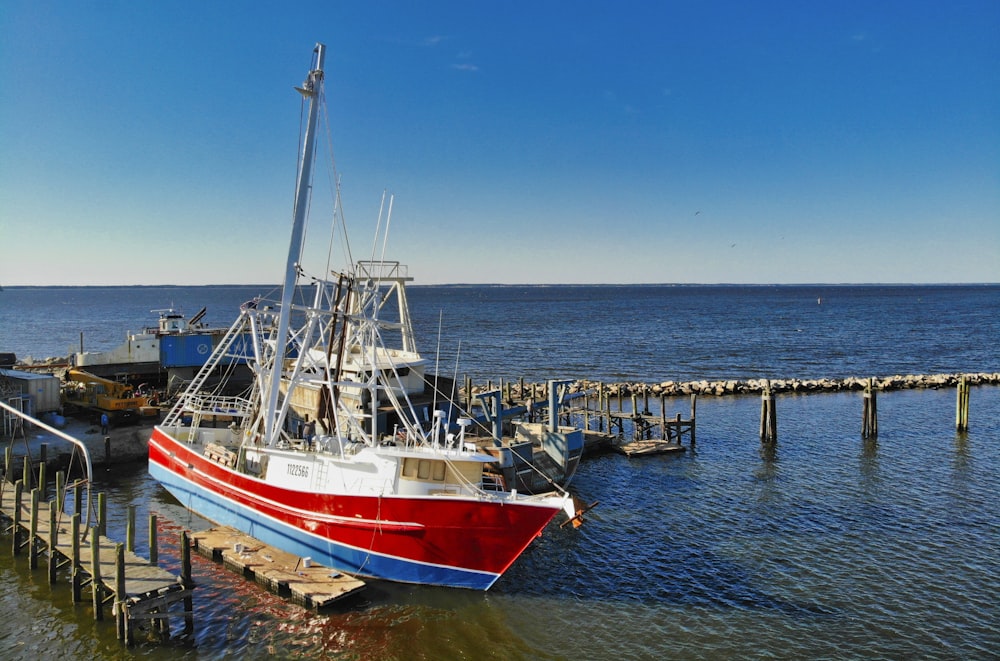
(869, 468)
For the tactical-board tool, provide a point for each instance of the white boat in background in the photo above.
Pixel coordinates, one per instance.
(175, 346)
(371, 486)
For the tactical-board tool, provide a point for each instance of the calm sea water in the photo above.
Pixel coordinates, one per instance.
(826, 547)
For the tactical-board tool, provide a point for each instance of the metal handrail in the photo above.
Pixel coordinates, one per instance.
(66, 437)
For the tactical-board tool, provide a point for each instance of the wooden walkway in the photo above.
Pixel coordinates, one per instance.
(284, 574)
(136, 589)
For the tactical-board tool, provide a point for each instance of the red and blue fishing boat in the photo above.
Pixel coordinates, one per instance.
(326, 455)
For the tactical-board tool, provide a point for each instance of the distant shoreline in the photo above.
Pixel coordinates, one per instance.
(557, 284)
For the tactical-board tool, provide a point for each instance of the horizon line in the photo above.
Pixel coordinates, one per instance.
(547, 284)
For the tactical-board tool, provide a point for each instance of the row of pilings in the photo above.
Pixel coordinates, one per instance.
(522, 390)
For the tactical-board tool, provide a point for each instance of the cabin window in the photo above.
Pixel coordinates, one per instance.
(425, 469)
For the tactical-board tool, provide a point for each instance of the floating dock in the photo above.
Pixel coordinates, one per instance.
(645, 447)
(299, 579)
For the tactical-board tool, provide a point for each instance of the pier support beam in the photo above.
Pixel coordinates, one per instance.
(16, 531)
(768, 416)
(76, 571)
(153, 552)
(962, 405)
(869, 411)
(95, 575)
(33, 531)
(187, 581)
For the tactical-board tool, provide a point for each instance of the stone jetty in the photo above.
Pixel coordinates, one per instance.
(720, 388)
(756, 386)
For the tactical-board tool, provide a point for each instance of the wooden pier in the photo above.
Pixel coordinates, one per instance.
(610, 419)
(299, 579)
(135, 588)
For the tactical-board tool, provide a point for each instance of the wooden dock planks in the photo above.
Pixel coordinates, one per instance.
(286, 575)
(140, 577)
(139, 590)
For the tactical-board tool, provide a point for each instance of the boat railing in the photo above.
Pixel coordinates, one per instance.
(383, 270)
(200, 407)
(236, 407)
(493, 482)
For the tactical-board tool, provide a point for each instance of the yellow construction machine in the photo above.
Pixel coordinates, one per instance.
(89, 391)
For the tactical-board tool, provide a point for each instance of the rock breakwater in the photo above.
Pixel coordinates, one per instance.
(756, 386)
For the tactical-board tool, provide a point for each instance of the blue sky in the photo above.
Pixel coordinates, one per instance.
(524, 142)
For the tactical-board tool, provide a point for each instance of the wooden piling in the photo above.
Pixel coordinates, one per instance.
(102, 515)
(8, 458)
(694, 406)
(60, 490)
(95, 575)
(121, 597)
(962, 405)
(43, 451)
(130, 530)
(768, 416)
(186, 580)
(76, 571)
(16, 532)
(869, 411)
(33, 531)
(53, 545)
(153, 558)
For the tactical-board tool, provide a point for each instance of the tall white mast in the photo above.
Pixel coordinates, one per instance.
(311, 89)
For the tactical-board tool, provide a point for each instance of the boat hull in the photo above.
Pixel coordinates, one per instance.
(437, 540)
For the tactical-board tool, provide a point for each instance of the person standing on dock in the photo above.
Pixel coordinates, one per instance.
(104, 424)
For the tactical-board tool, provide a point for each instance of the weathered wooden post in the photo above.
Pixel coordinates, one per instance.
(694, 406)
(102, 515)
(187, 581)
(43, 451)
(869, 411)
(130, 530)
(664, 429)
(53, 543)
(60, 491)
(95, 575)
(8, 458)
(76, 571)
(768, 415)
(26, 475)
(636, 430)
(153, 559)
(16, 527)
(33, 531)
(121, 597)
(962, 406)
